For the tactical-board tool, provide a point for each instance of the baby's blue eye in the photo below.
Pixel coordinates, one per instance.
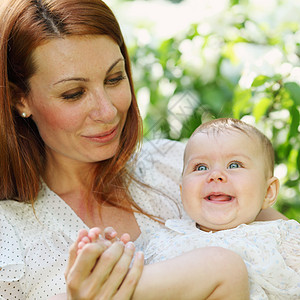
(234, 165)
(201, 168)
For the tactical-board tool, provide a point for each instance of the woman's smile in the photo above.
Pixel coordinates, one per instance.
(103, 137)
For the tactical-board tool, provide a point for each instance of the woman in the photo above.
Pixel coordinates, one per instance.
(69, 130)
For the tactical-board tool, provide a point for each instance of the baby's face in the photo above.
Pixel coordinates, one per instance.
(224, 182)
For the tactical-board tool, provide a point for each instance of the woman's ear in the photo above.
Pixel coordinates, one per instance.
(272, 192)
(20, 101)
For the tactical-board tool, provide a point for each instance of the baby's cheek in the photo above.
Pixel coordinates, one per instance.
(187, 193)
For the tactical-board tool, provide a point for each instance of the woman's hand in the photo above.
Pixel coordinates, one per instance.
(100, 270)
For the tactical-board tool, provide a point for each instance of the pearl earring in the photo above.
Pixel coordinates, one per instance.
(24, 115)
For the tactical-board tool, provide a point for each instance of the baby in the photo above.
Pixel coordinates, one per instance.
(227, 180)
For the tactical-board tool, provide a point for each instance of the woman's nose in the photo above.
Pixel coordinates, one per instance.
(103, 109)
(216, 176)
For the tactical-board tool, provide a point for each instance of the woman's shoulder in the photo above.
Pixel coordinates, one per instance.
(14, 210)
(25, 241)
(18, 220)
(163, 149)
(11, 252)
(159, 159)
(11, 212)
(159, 165)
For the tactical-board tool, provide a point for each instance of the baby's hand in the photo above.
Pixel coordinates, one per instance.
(94, 236)
(91, 236)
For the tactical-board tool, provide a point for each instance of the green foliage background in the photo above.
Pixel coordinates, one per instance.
(234, 65)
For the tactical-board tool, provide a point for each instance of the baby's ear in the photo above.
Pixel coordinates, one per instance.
(272, 192)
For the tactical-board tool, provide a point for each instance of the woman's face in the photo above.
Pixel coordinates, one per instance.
(79, 97)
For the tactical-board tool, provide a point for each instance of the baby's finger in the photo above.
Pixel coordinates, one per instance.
(110, 234)
(85, 240)
(94, 234)
(125, 238)
(81, 234)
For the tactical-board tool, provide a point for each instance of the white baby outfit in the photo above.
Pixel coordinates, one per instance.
(271, 251)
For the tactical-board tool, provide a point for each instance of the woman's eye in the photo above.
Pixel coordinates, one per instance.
(234, 165)
(201, 168)
(114, 80)
(73, 95)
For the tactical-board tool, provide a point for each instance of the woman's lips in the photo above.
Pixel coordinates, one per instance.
(103, 137)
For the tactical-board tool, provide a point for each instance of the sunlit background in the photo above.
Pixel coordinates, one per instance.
(194, 60)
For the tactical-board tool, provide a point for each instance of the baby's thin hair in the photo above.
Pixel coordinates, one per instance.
(220, 125)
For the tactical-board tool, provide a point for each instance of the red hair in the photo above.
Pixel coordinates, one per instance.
(24, 25)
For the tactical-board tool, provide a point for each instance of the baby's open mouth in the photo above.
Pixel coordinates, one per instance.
(218, 197)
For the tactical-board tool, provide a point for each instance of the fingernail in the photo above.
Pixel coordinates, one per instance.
(81, 244)
(139, 255)
(130, 245)
(86, 239)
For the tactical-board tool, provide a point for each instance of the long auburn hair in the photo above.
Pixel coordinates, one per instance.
(24, 25)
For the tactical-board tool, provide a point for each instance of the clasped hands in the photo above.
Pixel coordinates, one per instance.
(102, 266)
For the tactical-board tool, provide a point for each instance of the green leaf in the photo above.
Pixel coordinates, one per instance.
(240, 101)
(295, 116)
(261, 107)
(260, 80)
(234, 2)
(288, 149)
(291, 183)
(294, 90)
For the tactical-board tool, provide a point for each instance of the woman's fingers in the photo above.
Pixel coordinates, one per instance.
(92, 285)
(132, 278)
(73, 251)
(122, 280)
(106, 263)
(78, 276)
(100, 269)
(119, 272)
